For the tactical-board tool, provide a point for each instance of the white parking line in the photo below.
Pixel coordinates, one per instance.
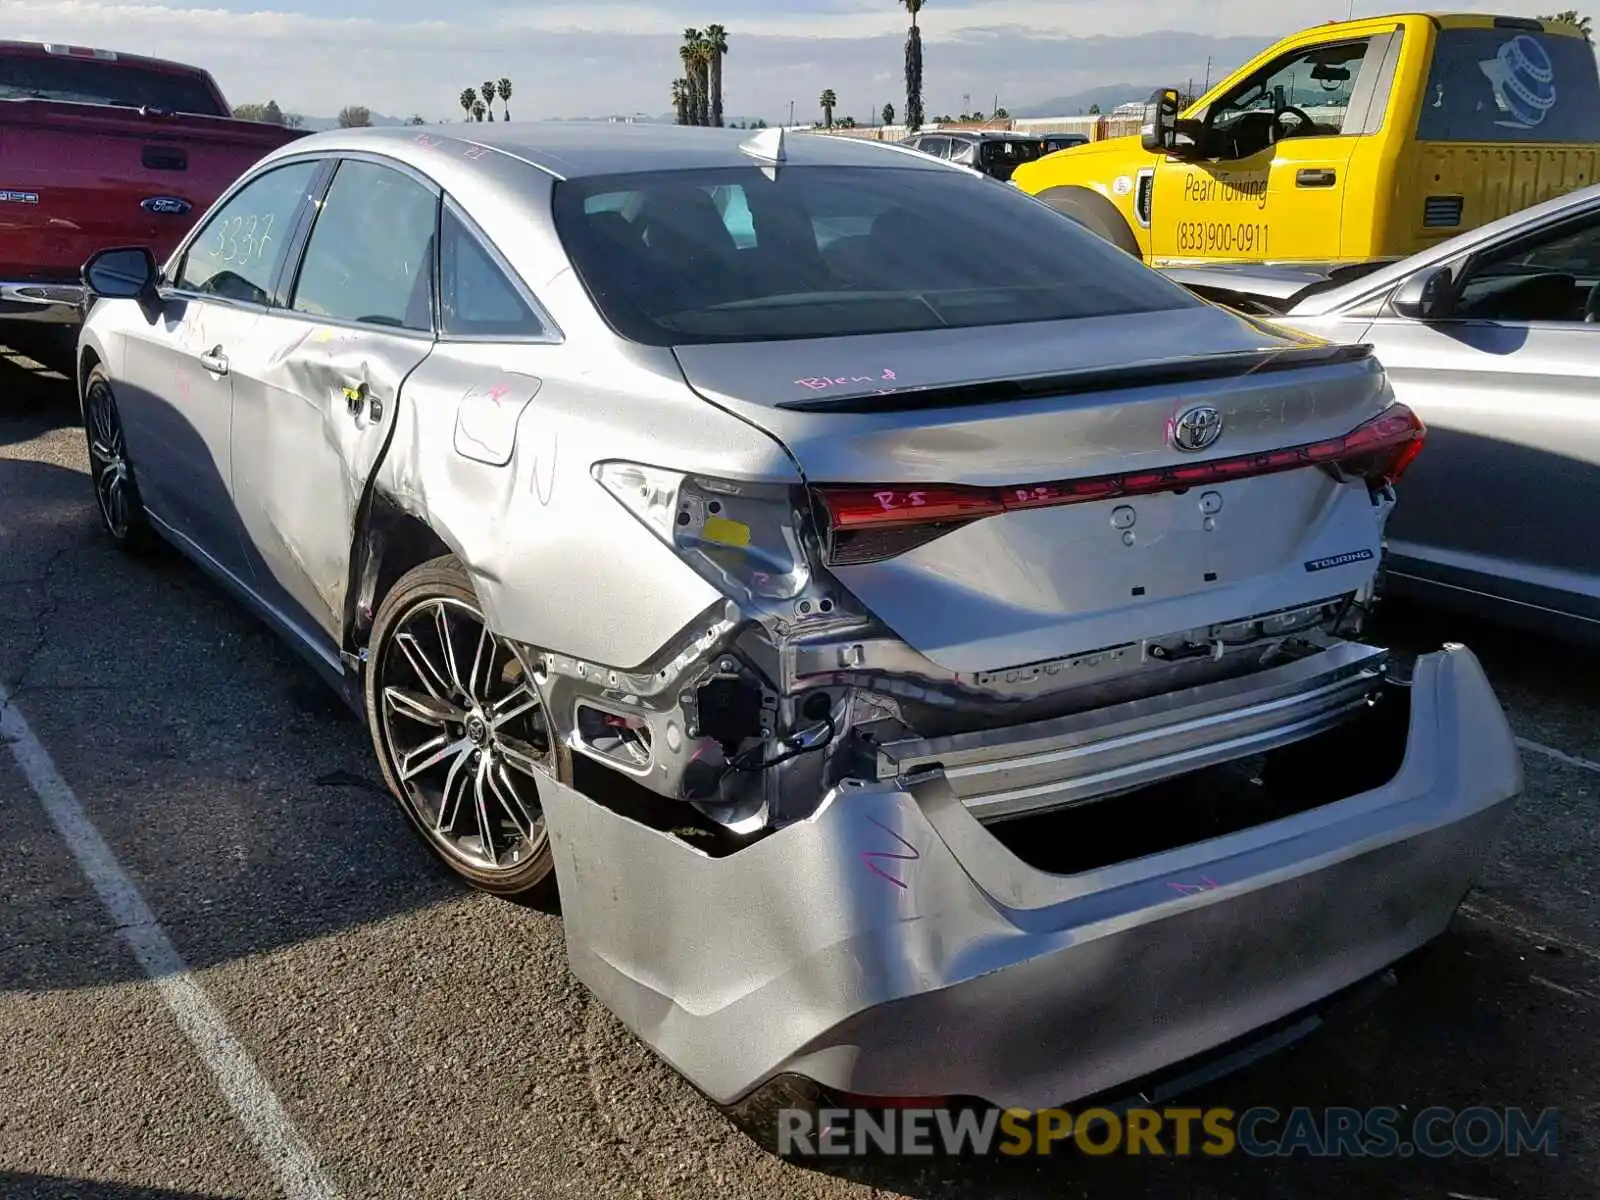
(1588, 764)
(243, 1086)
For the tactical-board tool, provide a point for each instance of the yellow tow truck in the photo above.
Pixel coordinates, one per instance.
(1347, 142)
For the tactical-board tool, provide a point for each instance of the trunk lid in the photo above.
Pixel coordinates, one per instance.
(1043, 583)
(77, 178)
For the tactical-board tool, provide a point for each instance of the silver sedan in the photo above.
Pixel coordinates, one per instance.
(885, 607)
(1492, 337)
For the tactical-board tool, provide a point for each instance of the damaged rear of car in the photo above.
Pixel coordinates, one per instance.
(895, 616)
(1032, 719)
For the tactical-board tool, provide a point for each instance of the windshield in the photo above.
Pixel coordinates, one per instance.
(1501, 85)
(680, 257)
(93, 81)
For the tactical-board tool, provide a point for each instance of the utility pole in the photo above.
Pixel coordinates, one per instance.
(791, 113)
(1207, 86)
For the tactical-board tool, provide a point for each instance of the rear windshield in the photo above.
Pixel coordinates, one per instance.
(1009, 150)
(727, 255)
(96, 81)
(1503, 85)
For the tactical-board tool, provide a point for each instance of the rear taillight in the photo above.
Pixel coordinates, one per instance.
(869, 524)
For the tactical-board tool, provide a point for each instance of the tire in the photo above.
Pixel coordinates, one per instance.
(461, 735)
(1096, 214)
(116, 491)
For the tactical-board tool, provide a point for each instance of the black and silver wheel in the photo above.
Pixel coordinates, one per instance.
(116, 493)
(461, 733)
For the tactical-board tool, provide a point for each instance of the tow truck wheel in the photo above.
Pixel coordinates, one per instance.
(1095, 213)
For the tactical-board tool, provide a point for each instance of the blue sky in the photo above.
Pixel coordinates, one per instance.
(598, 57)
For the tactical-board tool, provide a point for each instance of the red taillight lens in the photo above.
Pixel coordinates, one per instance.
(869, 524)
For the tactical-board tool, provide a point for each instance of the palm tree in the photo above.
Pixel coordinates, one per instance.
(702, 67)
(913, 68)
(680, 99)
(1571, 17)
(487, 91)
(468, 98)
(504, 88)
(687, 54)
(717, 43)
(477, 111)
(828, 101)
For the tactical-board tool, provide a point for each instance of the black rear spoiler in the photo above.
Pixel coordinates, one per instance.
(1099, 379)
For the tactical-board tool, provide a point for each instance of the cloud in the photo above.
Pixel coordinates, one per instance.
(608, 56)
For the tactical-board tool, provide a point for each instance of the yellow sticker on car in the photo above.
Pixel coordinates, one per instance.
(725, 532)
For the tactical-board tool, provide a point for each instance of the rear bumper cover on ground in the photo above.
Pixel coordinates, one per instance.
(891, 946)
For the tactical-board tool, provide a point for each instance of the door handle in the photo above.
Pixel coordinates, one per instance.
(358, 396)
(1315, 177)
(215, 361)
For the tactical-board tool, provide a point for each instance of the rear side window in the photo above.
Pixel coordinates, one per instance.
(682, 257)
(476, 299)
(1504, 85)
(94, 81)
(370, 257)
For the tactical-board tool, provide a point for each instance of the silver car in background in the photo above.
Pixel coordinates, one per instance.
(897, 617)
(1493, 337)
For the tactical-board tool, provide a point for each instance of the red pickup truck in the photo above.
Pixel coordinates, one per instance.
(99, 148)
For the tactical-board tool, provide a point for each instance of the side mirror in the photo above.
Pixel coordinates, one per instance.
(121, 273)
(1159, 131)
(1425, 296)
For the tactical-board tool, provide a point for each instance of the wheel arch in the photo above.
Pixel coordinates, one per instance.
(390, 539)
(1091, 209)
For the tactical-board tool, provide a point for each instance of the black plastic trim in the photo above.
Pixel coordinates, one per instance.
(1071, 383)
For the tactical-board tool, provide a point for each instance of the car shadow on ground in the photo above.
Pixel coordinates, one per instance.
(19, 1186)
(36, 395)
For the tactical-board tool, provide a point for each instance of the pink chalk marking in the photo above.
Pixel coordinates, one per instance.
(1188, 889)
(474, 152)
(870, 857)
(497, 391)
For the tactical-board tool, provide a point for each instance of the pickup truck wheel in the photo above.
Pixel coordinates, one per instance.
(1095, 213)
(461, 733)
(116, 493)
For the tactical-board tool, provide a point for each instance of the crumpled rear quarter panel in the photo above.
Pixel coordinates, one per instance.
(890, 946)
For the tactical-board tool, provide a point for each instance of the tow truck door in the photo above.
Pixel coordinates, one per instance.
(1296, 123)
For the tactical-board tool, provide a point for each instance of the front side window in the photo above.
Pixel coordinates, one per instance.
(699, 256)
(1554, 278)
(1502, 85)
(1306, 94)
(475, 297)
(237, 254)
(370, 257)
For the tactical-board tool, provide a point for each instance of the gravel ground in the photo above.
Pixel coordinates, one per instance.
(428, 1041)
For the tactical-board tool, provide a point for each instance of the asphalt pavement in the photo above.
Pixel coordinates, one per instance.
(414, 1039)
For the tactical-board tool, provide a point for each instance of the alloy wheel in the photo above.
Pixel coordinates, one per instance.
(108, 461)
(467, 735)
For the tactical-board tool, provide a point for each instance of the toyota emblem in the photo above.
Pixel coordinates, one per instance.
(1196, 428)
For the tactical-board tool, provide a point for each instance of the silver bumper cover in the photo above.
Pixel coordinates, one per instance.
(890, 945)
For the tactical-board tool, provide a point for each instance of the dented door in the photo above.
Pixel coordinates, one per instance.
(315, 395)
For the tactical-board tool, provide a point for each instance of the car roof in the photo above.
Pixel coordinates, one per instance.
(575, 149)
